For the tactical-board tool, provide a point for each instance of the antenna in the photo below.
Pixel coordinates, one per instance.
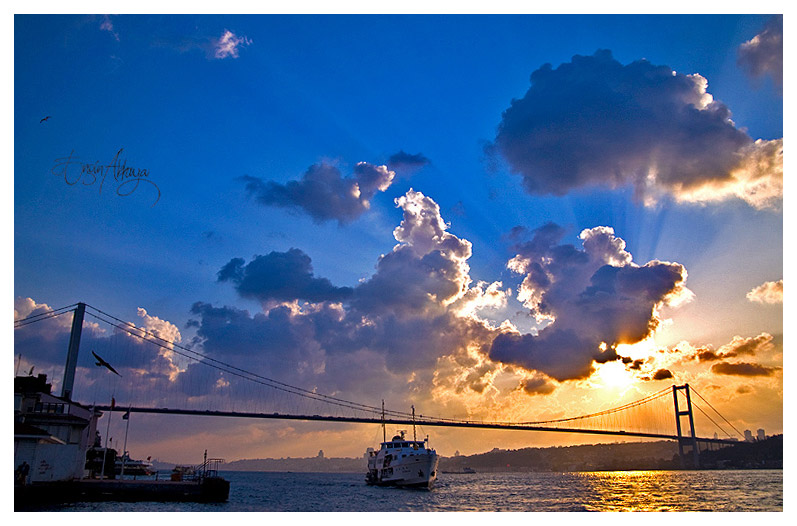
(414, 438)
(384, 436)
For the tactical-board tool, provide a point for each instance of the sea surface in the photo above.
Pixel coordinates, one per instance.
(744, 490)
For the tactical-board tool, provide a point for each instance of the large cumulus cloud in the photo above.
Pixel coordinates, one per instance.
(593, 299)
(323, 192)
(393, 332)
(596, 122)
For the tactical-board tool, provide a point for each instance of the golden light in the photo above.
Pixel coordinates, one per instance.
(639, 350)
(614, 375)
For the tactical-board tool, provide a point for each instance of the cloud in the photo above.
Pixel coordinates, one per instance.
(228, 44)
(738, 346)
(395, 331)
(743, 369)
(324, 193)
(403, 161)
(281, 276)
(768, 292)
(107, 25)
(662, 374)
(594, 122)
(593, 299)
(763, 54)
(537, 385)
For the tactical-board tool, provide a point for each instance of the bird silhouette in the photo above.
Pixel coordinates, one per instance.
(103, 363)
(44, 119)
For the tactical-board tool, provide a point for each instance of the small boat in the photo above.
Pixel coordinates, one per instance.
(127, 466)
(402, 462)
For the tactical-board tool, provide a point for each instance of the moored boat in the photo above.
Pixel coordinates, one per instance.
(127, 466)
(402, 462)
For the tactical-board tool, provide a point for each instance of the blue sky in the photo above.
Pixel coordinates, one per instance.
(227, 115)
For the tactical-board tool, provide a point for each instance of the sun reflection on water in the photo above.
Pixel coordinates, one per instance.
(637, 491)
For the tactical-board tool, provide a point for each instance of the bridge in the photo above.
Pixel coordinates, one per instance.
(667, 414)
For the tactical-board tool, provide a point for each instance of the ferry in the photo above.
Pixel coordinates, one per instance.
(127, 466)
(402, 462)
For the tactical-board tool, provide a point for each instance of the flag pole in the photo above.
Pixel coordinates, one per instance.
(107, 431)
(124, 448)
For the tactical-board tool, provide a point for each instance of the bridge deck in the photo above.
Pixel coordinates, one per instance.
(425, 421)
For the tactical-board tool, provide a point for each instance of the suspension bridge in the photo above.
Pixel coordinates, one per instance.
(201, 385)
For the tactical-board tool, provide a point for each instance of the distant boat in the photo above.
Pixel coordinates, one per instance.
(465, 471)
(133, 467)
(402, 462)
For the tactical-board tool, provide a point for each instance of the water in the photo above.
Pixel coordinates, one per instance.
(749, 490)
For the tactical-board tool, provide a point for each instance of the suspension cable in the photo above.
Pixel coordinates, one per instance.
(629, 405)
(711, 420)
(43, 316)
(712, 407)
(231, 369)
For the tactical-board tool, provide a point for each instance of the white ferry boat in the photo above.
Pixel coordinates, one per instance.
(402, 462)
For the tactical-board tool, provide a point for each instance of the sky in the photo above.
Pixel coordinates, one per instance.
(499, 217)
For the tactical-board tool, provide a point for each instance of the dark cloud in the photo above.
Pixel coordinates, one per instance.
(744, 389)
(281, 276)
(763, 54)
(596, 122)
(402, 161)
(738, 346)
(635, 365)
(537, 385)
(743, 369)
(323, 192)
(595, 298)
(662, 374)
(707, 355)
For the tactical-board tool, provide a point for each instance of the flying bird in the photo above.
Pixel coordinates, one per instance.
(103, 363)
(44, 119)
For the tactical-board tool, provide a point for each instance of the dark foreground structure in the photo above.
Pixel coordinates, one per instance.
(33, 496)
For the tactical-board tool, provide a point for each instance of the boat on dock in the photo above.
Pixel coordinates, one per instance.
(402, 462)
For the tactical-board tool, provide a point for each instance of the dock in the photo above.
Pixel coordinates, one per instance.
(208, 489)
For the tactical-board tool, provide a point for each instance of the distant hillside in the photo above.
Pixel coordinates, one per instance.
(662, 454)
(299, 465)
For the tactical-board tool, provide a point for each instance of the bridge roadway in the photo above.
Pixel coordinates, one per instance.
(423, 421)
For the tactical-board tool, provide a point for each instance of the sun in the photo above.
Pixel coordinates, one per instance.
(614, 375)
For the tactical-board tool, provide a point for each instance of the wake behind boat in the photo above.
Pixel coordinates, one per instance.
(402, 462)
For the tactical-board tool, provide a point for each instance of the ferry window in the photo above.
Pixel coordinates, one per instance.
(405, 444)
(390, 446)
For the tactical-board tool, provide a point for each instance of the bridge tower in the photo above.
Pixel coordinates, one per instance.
(74, 347)
(685, 441)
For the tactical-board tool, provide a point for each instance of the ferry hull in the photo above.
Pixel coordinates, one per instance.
(417, 472)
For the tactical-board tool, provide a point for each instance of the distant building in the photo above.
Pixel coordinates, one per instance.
(748, 436)
(320, 453)
(760, 435)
